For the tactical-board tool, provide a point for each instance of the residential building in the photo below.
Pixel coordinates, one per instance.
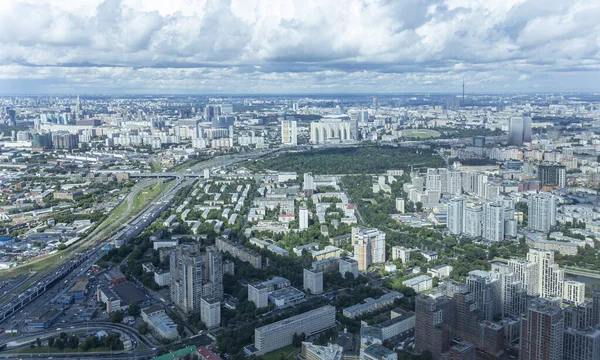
(542, 212)
(289, 132)
(369, 246)
(542, 332)
(279, 334)
(419, 283)
(313, 281)
(574, 291)
(371, 304)
(195, 275)
(210, 312)
(347, 265)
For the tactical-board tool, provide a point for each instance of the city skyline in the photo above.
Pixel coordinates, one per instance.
(241, 47)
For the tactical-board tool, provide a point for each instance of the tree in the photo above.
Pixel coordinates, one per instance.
(60, 344)
(50, 341)
(419, 206)
(143, 329)
(38, 341)
(116, 317)
(134, 309)
(297, 339)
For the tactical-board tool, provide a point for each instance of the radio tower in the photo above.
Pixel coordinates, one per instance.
(463, 98)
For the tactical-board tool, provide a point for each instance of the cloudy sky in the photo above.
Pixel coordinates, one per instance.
(298, 46)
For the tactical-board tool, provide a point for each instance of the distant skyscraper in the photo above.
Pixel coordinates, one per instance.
(552, 176)
(519, 130)
(289, 132)
(493, 221)
(456, 216)
(542, 212)
(541, 332)
(375, 102)
(12, 117)
(369, 247)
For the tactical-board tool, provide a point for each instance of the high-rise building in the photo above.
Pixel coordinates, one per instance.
(479, 141)
(369, 246)
(574, 291)
(486, 292)
(12, 117)
(519, 130)
(289, 132)
(552, 176)
(550, 275)
(527, 273)
(400, 205)
(303, 216)
(195, 275)
(542, 212)
(456, 221)
(473, 217)
(333, 130)
(434, 323)
(313, 281)
(309, 184)
(582, 344)
(513, 296)
(468, 316)
(542, 332)
(210, 312)
(493, 221)
(222, 122)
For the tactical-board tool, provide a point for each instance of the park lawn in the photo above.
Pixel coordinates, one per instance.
(277, 354)
(141, 199)
(420, 134)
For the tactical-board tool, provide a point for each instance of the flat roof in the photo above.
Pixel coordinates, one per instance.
(129, 293)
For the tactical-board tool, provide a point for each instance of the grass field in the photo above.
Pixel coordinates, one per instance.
(283, 352)
(420, 133)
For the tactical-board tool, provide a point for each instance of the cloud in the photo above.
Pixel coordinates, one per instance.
(290, 45)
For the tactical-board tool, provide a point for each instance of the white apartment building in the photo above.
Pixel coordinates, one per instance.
(279, 334)
(542, 212)
(210, 312)
(574, 291)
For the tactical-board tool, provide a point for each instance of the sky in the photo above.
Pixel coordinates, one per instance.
(298, 46)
